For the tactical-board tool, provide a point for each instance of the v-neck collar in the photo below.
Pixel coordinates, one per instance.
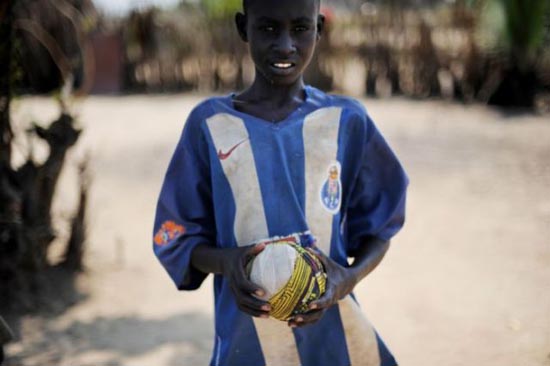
(301, 109)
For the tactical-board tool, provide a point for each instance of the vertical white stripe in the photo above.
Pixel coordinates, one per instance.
(231, 138)
(360, 336)
(320, 133)
(278, 344)
(321, 147)
(276, 338)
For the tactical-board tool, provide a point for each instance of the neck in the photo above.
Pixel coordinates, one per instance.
(278, 95)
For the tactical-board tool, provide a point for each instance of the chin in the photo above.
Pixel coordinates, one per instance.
(282, 80)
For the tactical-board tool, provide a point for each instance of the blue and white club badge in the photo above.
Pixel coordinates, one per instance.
(331, 191)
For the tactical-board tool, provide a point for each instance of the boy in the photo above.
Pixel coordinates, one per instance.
(277, 159)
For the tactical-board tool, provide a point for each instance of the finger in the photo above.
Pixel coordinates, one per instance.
(325, 301)
(243, 283)
(256, 249)
(244, 287)
(243, 298)
(252, 311)
(253, 302)
(307, 318)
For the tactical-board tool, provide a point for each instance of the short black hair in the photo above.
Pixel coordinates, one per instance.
(246, 3)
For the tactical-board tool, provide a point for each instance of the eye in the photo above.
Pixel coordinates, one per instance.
(301, 28)
(267, 28)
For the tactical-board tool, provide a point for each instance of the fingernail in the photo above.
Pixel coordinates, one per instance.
(259, 293)
(313, 306)
(293, 325)
(299, 319)
(266, 307)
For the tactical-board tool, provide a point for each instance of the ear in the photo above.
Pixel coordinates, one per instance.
(241, 22)
(320, 25)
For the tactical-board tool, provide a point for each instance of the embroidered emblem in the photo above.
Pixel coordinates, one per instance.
(331, 191)
(225, 155)
(168, 231)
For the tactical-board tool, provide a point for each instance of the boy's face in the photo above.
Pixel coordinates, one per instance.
(282, 35)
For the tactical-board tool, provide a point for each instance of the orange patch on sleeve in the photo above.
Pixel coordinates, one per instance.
(168, 232)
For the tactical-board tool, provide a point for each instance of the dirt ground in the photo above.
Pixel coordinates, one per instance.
(467, 282)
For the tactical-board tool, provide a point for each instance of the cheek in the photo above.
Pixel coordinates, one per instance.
(307, 42)
(257, 55)
(308, 48)
(258, 46)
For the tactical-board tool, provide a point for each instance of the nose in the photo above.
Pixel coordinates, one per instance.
(284, 44)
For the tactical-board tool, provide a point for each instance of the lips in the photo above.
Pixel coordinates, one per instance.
(282, 68)
(282, 65)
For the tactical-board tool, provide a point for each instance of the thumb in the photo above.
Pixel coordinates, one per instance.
(326, 300)
(256, 249)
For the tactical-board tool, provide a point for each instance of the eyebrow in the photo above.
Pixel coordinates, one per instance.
(303, 20)
(297, 20)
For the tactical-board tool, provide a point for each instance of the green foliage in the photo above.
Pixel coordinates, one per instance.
(517, 25)
(514, 27)
(492, 25)
(221, 9)
(524, 24)
(472, 4)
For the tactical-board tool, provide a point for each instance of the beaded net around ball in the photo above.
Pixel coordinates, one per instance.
(291, 275)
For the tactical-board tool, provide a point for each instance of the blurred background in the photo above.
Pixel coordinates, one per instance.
(490, 51)
(93, 97)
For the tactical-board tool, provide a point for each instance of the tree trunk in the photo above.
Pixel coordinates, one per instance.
(6, 47)
(10, 197)
(26, 194)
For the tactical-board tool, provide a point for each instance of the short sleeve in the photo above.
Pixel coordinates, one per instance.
(377, 203)
(184, 216)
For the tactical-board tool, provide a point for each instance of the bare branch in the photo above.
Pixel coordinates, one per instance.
(51, 45)
(74, 15)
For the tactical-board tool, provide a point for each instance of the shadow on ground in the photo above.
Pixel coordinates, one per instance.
(110, 341)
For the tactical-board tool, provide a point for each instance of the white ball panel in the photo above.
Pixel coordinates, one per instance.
(273, 267)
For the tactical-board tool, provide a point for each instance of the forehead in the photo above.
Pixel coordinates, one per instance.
(283, 9)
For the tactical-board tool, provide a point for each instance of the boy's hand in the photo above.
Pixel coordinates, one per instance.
(243, 289)
(340, 283)
(341, 280)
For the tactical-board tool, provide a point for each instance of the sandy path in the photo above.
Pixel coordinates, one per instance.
(467, 282)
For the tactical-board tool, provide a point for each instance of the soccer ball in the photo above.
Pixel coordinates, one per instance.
(291, 276)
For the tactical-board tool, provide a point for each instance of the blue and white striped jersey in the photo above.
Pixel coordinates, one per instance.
(235, 179)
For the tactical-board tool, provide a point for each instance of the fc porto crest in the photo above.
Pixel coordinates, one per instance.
(331, 191)
(167, 232)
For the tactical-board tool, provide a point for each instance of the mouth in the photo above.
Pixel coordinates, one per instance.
(282, 65)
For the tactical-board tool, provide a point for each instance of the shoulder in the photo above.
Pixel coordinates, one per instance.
(354, 117)
(206, 109)
(350, 107)
(202, 112)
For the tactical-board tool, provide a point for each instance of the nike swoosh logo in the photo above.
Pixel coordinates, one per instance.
(225, 155)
